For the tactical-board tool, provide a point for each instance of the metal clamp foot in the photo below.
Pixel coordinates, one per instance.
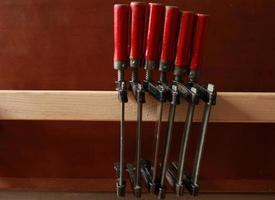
(120, 189)
(147, 177)
(134, 184)
(191, 187)
(162, 192)
(120, 184)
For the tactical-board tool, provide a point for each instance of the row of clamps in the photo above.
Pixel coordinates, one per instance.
(152, 36)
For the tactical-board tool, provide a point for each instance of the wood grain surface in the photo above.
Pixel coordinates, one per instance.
(95, 106)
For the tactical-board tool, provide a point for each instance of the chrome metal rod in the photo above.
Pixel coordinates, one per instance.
(121, 151)
(138, 143)
(200, 147)
(157, 141)
(184, 142)
(172, 112)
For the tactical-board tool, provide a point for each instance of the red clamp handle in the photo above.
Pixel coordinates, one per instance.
(184, 40)
(154, 34)
(138, 14)
(198, 41)
(121, 23)
(169, 39)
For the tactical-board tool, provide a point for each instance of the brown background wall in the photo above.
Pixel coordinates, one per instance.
(68, 45)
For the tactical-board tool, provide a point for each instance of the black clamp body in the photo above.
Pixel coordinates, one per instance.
(147, 176)
(172, 179)
(138, 91)
(188, 93)
(121, 84)
(161, 91)
(136, 88)
(121, 87)
(171, 176)
(174, 94)
(207, 93)
(131, 171)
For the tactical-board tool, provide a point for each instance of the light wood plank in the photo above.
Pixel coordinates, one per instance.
(104, 106)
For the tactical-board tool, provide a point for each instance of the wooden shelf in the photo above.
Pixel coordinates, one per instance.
(104, 106)
(108, 185)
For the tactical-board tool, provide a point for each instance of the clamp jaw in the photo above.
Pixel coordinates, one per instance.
(160, 90)
(147, 176)
(138, 91)
(121, 88)
(136, 188)
(190, 94)
(120, 188)
(192, 188)
(174, 94)
(207, 93)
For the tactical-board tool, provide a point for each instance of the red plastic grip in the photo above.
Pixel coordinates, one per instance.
(169, 39)
(198, 41)
(184, 39)
(138, 14)
(154, 34)
(121, 24)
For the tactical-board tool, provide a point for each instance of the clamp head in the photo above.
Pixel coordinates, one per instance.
(169, 38)
(154, 35)
(121, 23)
(182, 60)
(197, 47)
(138, 15)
